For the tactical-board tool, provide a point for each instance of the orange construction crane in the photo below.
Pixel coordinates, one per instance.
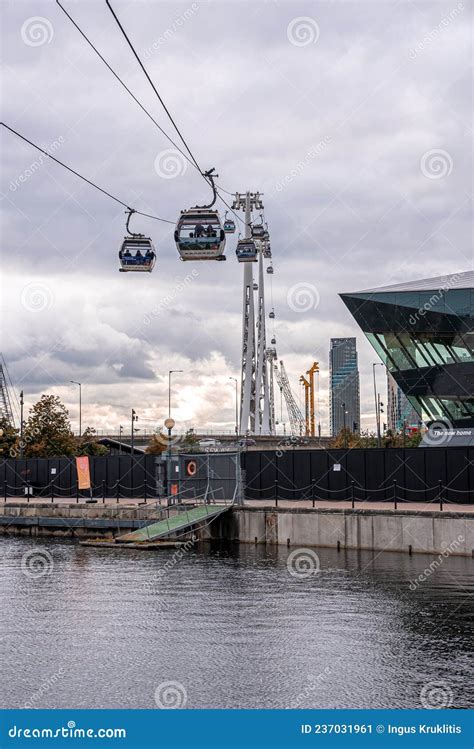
(307, 386)
(312, 418)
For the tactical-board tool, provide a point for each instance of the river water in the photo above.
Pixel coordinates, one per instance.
(231, 627)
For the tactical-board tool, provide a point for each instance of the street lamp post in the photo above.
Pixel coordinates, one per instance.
(236, 404)
(169, 424)
(21, 424)
(80, 404)
(344, 412)
(134, 419)
(170, 372)
(120, 438)
(376, 400)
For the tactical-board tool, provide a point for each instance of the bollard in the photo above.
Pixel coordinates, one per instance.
(395, 494)
(312, 491)
(77, 493)
(5, 490)
(352, 494)
(144, 490)
(276, 492)
(118, 492)
(52, 491)
(103, 492)
(440, 494)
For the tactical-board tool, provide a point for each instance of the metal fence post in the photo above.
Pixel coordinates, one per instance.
(312, 491)
(77, 492)
(440, 494)
(144, 490)
(395, 494)
(352, 494)
(52, 491)
(5, 490)
(118, 491)
(103, 492)
(276, 492)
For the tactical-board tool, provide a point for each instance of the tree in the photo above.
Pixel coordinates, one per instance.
(9, 441)
(89, 445)
(48, 431)
(158, 444)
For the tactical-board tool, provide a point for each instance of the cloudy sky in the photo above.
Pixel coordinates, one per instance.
(355, 121)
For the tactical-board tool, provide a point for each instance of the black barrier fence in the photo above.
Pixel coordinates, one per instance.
(383, 475)
(52, 478)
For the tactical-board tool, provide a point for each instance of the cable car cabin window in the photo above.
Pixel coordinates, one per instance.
(137, 254)
(229, 226)
(200, 236)
(246, 251)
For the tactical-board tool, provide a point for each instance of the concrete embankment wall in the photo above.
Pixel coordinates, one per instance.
(380, 530)
(71, 520)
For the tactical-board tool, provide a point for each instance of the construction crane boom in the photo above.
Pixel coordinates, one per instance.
(6, 412)
(297, 421)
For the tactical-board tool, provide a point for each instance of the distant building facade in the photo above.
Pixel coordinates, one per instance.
(344, 400)
(400, 412)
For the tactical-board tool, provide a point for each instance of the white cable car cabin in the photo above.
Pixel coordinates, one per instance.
(272, 315)
(258, 231)
(229, 225)
(137, 252)
(270, 269)
(255, 287)
(199, 235)
(246, 251)
(267, 250)
(273, 341)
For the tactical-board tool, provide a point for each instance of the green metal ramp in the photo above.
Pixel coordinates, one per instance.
(183, 519)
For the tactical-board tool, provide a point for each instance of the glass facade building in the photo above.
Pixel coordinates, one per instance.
(424, 333)
(344, 401)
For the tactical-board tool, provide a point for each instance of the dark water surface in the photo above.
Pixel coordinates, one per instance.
(232, 627)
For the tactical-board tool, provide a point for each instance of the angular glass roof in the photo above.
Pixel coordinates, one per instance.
(461, 280)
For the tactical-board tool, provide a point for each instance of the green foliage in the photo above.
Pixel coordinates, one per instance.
(48, 431)
(9, 440)
(369, 439)
(88, 444)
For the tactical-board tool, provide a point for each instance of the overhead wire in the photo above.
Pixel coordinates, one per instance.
(89, 182)
(127, 89)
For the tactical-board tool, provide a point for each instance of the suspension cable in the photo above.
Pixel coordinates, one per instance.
(89, 182)
(150, 116)
(153, 86)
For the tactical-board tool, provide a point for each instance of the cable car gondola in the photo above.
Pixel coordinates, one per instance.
(258, 231)
(229, 225)
(267, 250)
(272, 315)
(255, 287)
(137, 252)
(270, 269)
(273, 341)
(246, 251)
(199, 234)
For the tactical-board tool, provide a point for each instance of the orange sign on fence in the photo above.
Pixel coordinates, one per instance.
(174, 489)
(83, 473)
